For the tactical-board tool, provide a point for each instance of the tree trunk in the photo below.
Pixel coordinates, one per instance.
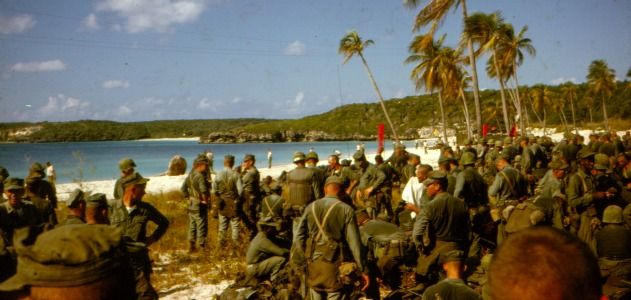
(503, 96)
(466, 113)
(519, 112)
(525, 110)
(544, 122)
(383, 105)
(442, 115)
(591, 117)
(474, 77)
(573, 116)
(605, 114)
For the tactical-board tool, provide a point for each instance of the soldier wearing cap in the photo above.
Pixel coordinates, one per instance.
(554, 179)
(489, 160)
(468, 147)
(97, 209)
(605, 182)
(41, 193)
(510, 150)
(303, 186)
(446, 217)
(71, 262)
(196, 188)
(76, 208)
(132, 215)
(582, 195)
(326, 235)
(452, 287)
(127, 167)
(251, 195)
(508, 188)
(227, 188)
(369, 186)
(527, 163)
(16, 213)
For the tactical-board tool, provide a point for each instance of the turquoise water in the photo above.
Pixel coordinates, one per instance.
(88, 161)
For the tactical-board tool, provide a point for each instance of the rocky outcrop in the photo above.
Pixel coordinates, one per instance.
(225, 137)
(177, 166)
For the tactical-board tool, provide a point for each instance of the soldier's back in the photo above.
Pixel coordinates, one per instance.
(450, 289)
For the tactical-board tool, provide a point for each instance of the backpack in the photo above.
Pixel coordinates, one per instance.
(524, 215)
(323, 271)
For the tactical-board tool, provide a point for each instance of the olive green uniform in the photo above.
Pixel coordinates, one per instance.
(508, 187)
(12, 218)
(227, 187)
(72, 220)
(370, 177)
(196, 188)
(579, 194)
(264, 258)
(450, 289)
(251, 197)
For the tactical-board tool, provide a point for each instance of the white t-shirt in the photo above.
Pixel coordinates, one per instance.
(413, 192)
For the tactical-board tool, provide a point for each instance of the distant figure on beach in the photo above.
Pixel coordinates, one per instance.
(269, 158)
(50, 173)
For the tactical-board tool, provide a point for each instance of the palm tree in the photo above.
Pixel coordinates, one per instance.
(540, 98)
(568, 91)
(602, 82)
(589, 101)
(489, 32)
(352, 44)
(511, 54)
(437, 69)
(434, 12)
(558, 104)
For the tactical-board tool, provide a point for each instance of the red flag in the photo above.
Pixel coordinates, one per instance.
(380, 137)
(513, 131)
(485, 130)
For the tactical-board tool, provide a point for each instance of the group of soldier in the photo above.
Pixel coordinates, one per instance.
(499, 219)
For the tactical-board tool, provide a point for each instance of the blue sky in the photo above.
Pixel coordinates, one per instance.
(141, 60)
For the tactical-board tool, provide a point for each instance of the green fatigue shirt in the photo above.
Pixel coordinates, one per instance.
(471, 188)
(579, 191)
(527, 161)
(43, 189)
(446, 217)
(194, 188)
(303, 186)
(490, 157)
(608, 149)
(340, 226)
(134, 221)
(72, 220)
(12, 218)
(450, 289)
(508, 185)
(398, 162)
(371, 177)
(549, 184)
(262, 248)
(511, 151)
(228, 187)
(595, 146)
(272, 206)
(614, 242)
(391, 175)
(44, 209)
(320, 177)
(407, 172)
(250, 180)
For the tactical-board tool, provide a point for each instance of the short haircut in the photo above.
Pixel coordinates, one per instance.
(544, 263)
(424, 168)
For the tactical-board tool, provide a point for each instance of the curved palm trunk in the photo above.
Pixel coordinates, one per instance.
(503, 96)
(521, 116)
(383, 105)
(474, 77)
(442, 115)
(605, 114)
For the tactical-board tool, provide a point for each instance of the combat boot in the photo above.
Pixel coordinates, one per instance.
(191, 247)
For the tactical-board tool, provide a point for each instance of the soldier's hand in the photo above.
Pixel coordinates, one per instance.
(366, 281)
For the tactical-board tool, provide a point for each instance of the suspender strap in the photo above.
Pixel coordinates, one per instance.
(270, 212)
(510, 184)
(320, 225)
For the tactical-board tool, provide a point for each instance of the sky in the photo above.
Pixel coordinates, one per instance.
(138, 60)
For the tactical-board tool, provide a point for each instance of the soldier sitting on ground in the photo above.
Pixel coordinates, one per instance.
(266, 255)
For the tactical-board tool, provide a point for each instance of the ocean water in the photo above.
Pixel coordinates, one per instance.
(89, 161)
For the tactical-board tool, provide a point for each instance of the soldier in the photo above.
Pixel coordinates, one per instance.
(469, 148)
(16, 213)
(311, 162)
(527, 164)
(127, 167)
(250, 179)
(409, 169)
(445, 165)
(613, 241)
(4, 175)
(76, 208)
(446, 220)
(131, 214)
(472, 189)
(544, 263)
(414, 192)
(97, 209)
(452, 287)
(554, 180)
(384, 199)
(266, 254)
(328, 236)
(197, 190)
(509, 188)
(370, 181)
(227, 187)
(273, 203)
(303, 188)
(41, 193)
(334, 167)
(510, 150)
(78, 262)
(606, 147)
(489, 161)
(398, 159)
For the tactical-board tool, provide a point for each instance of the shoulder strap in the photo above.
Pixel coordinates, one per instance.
(270, 211)
(320, 225)
(510, 184)
(582, 181)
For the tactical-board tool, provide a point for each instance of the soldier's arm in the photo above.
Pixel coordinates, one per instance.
(159, 219)
(298, 246)
(420, 226)
(183, 188)
(315, 186)
(269, 247)
(379, 178)
(497, 184)
(459, 185)
(574, 197)
(354, 240)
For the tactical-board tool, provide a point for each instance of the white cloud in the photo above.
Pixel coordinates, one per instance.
(62, 105)
(158, 15)
(123, 110)
(17, 24)
(561, 80)
(399, 94)
(90, 22)
(236, 100)
(204, 103)
(296, 49)
(113, 84)
(39, 66)
(299, 97)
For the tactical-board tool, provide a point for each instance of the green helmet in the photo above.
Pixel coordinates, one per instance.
(601, 161)
(612, 214)
(467, 158)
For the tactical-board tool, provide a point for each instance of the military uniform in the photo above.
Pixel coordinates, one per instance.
(11, 218)
(134, 221)
(251, 195)
(450, 289)
(507, 188)
(227, 186)
(373, 178)
(196, 189)
(76, 197)
(384, 199)
(264, 258)
(42, 194)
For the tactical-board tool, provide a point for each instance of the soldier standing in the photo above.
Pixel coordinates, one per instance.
(196, 189)
(251, 193)
(41, 193)
(228, 188)
(328, 236)
(384, 199)
(582, 196)
(370, 181)
(127, 167)
(508, 189)
(303, 188)
(311, 162)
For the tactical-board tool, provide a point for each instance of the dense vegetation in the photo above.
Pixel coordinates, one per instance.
(348, 121)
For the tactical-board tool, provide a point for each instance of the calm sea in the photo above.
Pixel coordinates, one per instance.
(88, 161)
